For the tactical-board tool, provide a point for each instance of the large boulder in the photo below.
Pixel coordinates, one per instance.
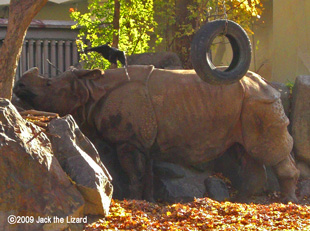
(163, 60)
(285, 96)
(300, 119)
(216, 189)
(174, 183)
(80, 160)
(32, 182)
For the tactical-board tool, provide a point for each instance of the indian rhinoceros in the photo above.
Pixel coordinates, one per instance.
(170, 115)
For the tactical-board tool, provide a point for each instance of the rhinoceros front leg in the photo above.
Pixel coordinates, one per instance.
(265, 135)
(133, 164)
(148, 180)
(139, 169)
(287, 174)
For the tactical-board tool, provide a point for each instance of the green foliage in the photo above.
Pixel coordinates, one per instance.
(290, 85)
(136, 25)
(198, 12)
(172, 22)
(166, 15)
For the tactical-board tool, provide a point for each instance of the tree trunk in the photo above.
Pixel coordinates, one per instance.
(116, 17)
(20, 15)
(182, 43)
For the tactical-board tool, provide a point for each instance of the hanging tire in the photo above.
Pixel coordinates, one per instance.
(200, 52)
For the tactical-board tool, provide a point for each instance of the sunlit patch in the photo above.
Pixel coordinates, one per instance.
(203, 214)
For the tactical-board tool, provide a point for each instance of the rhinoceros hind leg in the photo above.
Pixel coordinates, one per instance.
(287, 174)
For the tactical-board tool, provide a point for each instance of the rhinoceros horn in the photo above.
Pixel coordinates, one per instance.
(34, 71)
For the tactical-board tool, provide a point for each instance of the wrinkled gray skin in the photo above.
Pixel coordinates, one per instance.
(173, 114)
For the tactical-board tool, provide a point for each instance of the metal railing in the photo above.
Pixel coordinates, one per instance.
(36, 53)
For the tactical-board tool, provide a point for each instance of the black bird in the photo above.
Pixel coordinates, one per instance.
(112, 54)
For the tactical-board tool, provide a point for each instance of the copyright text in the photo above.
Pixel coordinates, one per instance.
(12, 219)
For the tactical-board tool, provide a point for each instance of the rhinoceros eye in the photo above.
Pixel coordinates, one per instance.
(48, 83)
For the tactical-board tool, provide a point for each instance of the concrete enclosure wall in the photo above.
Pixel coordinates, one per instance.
(291, 43)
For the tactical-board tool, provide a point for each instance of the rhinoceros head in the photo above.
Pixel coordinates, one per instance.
(62, 94)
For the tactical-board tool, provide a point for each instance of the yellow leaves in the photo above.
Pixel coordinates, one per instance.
(251, 6)
(203, 214)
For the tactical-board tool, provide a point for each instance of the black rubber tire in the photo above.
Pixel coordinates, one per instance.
(241, 47)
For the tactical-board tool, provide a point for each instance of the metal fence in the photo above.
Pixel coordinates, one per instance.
(48, 55)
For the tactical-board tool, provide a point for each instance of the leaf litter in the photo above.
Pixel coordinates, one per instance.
(203, 214)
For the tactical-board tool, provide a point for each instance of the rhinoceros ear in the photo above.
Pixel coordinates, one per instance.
(95, 89)
(88, 74)
(256, 88)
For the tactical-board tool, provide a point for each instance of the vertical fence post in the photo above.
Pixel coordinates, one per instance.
(24, 57)
(45, 56)
(38, 57)
(31, 52)
(53, 58)
(61, 55)
(68, 54)
(75, 54)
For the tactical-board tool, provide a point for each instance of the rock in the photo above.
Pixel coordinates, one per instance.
(304, 188)
(168, 170)
(32, 182)
(272, 184)
(285, 96)
(216, 189)
(247, 175)
(300, 118)
(164, 60)
(304, 169)
(179, 185)
(229, 164)
(80, 160)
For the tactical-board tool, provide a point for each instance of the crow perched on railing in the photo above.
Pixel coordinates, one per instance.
(112, 54)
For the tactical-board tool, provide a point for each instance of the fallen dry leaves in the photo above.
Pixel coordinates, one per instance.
(39, 118)
(203, 214)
